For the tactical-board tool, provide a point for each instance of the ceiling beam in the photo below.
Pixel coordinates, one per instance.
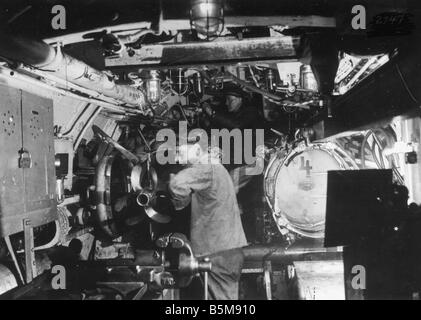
(209, 53)
(310, 21)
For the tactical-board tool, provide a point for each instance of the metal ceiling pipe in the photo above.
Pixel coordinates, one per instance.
(42, 56)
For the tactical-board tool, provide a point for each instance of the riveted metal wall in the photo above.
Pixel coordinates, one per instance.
(27, 173)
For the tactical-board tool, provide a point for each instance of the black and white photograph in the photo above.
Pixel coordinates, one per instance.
(234, 151)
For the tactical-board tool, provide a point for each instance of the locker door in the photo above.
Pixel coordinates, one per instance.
(11, 177)
(38, 140)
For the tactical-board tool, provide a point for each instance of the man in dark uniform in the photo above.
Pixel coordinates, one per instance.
(239, 113)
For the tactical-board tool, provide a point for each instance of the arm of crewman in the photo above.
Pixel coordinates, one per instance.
(183, 184)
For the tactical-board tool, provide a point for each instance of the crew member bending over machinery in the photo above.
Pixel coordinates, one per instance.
(216, 231)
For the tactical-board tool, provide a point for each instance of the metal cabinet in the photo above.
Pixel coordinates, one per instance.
(27, 172)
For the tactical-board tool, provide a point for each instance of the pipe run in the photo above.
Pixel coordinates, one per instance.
(281, 254)
(255, 89)
(43, 56)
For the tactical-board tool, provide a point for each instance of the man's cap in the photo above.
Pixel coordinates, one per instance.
(231, 89)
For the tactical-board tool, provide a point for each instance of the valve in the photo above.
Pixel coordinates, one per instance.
(187, 265)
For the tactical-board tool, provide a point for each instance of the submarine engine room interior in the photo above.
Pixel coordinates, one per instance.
(326, 105)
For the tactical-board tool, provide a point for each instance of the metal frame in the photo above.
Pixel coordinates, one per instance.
(30, 264)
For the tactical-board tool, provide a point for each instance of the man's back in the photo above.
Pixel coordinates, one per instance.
(215, 220)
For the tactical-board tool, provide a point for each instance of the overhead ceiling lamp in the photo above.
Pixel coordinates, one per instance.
(207, 17)
(153, 87)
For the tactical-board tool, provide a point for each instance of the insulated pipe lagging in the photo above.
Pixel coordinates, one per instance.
(43, 56)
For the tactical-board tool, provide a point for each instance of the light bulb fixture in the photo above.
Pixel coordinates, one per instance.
(179, 82)
(207, 17)
(153, 87)
(270, 81)
(198, 85)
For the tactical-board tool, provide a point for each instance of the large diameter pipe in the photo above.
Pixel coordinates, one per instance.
(280, 254)
(42, 56)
